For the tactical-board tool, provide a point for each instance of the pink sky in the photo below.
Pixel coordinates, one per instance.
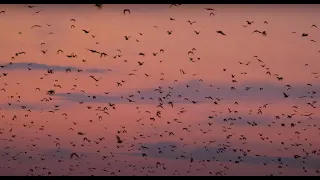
(282, 51)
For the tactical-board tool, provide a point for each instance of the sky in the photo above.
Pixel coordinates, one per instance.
(194, 102)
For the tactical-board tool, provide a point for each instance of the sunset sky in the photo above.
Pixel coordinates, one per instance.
(37, 136)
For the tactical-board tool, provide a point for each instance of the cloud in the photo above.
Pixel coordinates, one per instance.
(210, 152)
(270, 93)
(261, 120)
(57, 152)
(77, 97)
(37, 66)
(32, 106)
(48, 153)
(14, 106)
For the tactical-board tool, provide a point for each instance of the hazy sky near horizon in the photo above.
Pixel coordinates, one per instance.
(229, 113)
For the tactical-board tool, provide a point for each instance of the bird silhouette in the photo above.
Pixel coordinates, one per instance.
(264, 33)
(176, 5)
(37, 12)
(127, 37)
(93, 51)
(59, 51)
(35, 26)
(92, 77)
(126, 10)
(98, 6)
(153, 92)
(222, 33)
(249, 22)
(256, 31)
(85, 31)
(74, 155)
(119, 140)
(191, 22)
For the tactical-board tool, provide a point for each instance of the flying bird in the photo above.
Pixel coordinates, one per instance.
(176, 5)
(74, 155)
(38, 12)
(119, 141)
(93, 51)
(264, 33)
(220, 32)
(126, 10)
(95, 78)
(249, 22)
(36, 26)
(98, 6)
(163, 107)
(191, 22)
(85, 31)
